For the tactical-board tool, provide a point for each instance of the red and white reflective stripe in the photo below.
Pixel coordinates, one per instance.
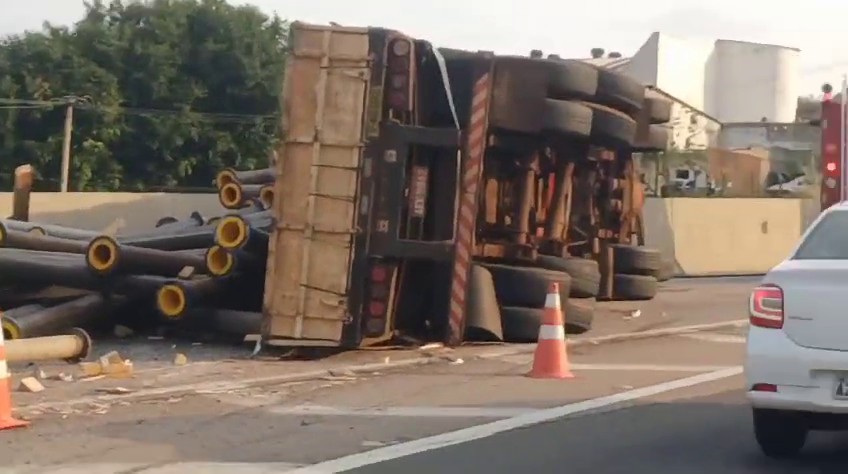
(551, 333)
(472, 168)
(4, 368)
(552, 301)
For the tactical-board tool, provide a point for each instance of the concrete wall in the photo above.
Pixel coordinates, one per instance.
(726, 236)
(703, 236)
(96, 211)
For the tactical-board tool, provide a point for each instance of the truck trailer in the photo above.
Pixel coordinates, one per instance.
(437, 192)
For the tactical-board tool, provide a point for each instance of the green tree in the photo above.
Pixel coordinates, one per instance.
(174, 89)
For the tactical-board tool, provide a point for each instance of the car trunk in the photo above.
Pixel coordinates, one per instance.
(815, 302)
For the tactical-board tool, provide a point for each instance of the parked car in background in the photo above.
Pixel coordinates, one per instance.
(789, 185)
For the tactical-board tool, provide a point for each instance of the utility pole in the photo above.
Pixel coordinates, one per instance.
(70, 102)
(66, 144)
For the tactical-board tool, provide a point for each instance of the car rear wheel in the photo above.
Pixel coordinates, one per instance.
(780, 434)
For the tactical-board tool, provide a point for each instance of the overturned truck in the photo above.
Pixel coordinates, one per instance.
(437, 192)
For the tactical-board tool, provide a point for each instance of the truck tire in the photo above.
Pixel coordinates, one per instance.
(636, 260)
(633, 287)
(521, 325)
(666, 271)
(527, 286)
(570, 79)
(611, 128)
(584, 272)
(483, 315)
(619, 91)
(579, 315)
(521, 86)
(655, 138)
(562, 117)
(658, 110)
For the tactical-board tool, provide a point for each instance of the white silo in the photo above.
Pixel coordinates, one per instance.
(754, 81)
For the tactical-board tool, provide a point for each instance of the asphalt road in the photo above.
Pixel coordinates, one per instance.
(705, 435)
(315, 426)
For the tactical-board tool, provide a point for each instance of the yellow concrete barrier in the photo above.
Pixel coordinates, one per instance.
(96, 211)
(725, 236)
(704, 236)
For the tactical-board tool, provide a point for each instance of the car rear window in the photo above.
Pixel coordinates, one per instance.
(828, 240)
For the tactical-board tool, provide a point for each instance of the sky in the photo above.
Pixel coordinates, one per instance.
(570, 29)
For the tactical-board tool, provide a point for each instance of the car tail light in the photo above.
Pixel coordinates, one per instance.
(399, 73)
(764, 387)
(766, 307)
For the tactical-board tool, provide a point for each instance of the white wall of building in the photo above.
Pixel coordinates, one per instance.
(755, 82)
(681, 68)
(644, 64)
(691, 129)
(734, 81)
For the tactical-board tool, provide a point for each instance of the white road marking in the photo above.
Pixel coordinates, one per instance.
(411, 412)
(526, 359)
(489, 429)
(169, 468)
(715, 337)
(651, 367)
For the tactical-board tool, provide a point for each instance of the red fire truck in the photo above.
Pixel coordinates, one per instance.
(832, 148)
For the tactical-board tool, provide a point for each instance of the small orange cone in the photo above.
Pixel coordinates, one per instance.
(551, 358)
(7, 421)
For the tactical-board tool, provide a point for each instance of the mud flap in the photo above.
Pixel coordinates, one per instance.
(483, 317)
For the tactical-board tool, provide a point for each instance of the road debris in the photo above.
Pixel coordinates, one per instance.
(200, 280)
(31, 385)
(180, 359)
(122, 331)
(115, 390)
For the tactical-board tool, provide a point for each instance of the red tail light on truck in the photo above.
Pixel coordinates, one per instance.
(400, 68)
(382, 277)
(766, 307)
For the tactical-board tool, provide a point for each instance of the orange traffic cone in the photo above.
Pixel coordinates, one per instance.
(7, 421)
(551, 358)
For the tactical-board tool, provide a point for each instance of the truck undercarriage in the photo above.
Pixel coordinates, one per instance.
(482, 179)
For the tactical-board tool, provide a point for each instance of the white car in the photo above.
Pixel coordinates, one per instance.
(796, 367)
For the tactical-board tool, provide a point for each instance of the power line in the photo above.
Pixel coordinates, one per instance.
(9, 103)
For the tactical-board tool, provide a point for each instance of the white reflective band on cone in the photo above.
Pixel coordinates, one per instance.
(4, 370)
(552, 301)
(551, 333)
